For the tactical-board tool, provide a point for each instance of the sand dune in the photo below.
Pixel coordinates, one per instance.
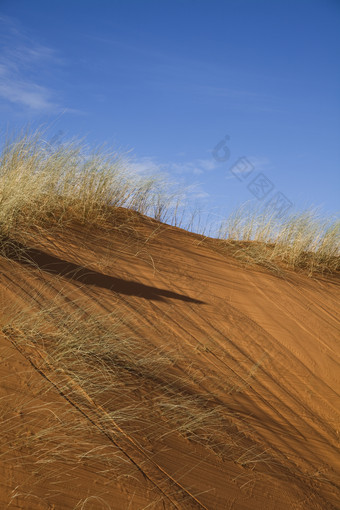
(241, 409)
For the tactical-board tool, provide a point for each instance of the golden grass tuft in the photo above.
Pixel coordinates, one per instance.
(94, 362)
(303, 240)
(43, 185)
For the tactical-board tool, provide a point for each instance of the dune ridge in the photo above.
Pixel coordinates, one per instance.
(222, 391)
(146, 366)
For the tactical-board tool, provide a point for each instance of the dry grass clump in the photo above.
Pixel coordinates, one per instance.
(120, 381)
(47, 441)
(45, 185)
(96, 356)
(88, 353)
(302, 240)
(41, 183)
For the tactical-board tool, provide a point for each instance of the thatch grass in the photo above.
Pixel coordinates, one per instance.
(41, 183)
(305, 240)
(95, 362)
(44, 185)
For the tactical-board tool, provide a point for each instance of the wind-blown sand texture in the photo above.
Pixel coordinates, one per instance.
(241, 412)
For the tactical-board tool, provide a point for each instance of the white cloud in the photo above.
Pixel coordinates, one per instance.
(201, 194)
(207, 164)
(21, 62)
(169, 171)
(148, 165)
(195, 167)
(28, 94)
(145, 165)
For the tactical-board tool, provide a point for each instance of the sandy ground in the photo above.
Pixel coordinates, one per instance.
(261, 349)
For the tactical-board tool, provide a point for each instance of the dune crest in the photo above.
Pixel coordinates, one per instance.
(143, 368)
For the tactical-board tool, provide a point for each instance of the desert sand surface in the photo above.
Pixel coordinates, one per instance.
(240, 413)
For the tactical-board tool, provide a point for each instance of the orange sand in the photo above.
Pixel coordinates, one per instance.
(261, 347)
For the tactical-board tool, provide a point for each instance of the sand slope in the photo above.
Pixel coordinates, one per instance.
(262, 349)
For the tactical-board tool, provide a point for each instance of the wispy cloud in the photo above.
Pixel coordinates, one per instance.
(27, 94)
(21, 64)
(176, 173)
(196, 167)
(146, 165)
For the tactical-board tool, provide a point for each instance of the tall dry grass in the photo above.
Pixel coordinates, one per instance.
(42, 183)
(97, 364)
(304, 240)
(93, 360)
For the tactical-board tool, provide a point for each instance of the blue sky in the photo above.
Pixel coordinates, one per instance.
(170, 79)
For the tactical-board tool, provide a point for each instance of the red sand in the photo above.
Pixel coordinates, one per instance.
(262, 348)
